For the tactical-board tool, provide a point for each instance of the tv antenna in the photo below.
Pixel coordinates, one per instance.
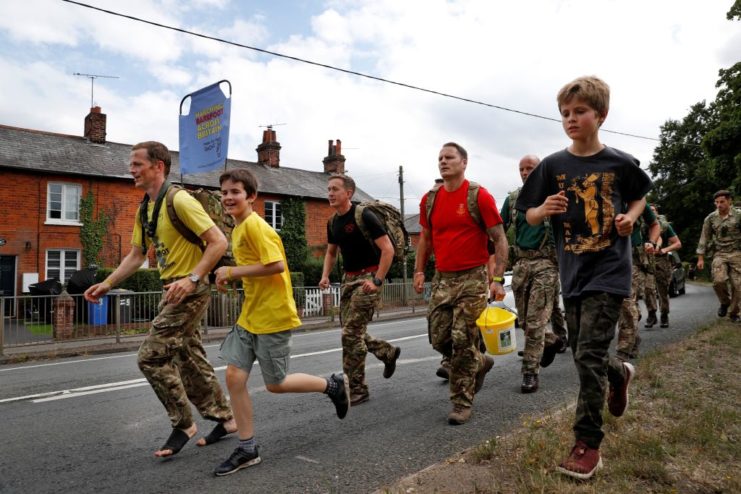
(270, 126)
(92, 82)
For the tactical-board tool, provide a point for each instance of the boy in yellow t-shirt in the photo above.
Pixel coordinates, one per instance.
(263, 331)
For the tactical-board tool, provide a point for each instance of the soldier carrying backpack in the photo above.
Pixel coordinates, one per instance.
(461, 284)
(365, 266)
(171, 356)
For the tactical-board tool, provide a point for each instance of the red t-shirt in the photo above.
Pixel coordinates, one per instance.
(457, 241)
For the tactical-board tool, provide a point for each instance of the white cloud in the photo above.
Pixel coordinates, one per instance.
(658, 57)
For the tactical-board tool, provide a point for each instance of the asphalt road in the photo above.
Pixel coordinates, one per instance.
(92, 424)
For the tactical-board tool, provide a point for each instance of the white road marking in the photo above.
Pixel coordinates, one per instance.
(304, 458)
(124, 355)
(132, 383)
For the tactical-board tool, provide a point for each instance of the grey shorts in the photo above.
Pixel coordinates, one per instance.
(272, 351)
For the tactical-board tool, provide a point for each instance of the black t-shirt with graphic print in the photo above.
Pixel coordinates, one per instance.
(357, 252)
(592, 256)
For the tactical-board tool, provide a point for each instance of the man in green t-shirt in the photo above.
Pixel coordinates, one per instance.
(535, 285)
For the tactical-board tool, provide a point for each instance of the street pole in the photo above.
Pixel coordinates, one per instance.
(404, 262)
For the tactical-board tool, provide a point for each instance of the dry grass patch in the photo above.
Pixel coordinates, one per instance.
(681, 434)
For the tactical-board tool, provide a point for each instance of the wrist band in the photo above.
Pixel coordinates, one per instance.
(106, 282)
(498, 279)
(229, 273)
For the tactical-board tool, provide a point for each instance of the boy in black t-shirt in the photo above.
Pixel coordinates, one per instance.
(365, 269)
(593, 194)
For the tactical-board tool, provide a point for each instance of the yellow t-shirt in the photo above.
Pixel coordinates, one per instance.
(176, 257)
(268, 300)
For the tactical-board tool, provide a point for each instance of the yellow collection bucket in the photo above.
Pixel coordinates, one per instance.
(498, 330)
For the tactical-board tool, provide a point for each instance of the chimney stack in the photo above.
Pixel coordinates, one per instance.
(268, 152)
(334, 163)
(95, 126)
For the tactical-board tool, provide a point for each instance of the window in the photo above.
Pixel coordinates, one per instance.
(273, 215)
(63, 203)
(60, 264)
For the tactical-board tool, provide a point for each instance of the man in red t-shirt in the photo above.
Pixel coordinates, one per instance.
(461, 285)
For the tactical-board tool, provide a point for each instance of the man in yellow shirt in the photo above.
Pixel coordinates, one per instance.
(172, 357)
(263, 331)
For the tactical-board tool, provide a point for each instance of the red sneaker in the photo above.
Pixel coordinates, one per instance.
(617, 398)
(582, 463)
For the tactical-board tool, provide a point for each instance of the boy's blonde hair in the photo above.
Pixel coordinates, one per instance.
(592, 90)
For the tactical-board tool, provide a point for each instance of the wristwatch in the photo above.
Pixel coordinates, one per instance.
(194, 278)
(377, 281)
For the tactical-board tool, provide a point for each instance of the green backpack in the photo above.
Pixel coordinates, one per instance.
(211, 202)
(390, 218)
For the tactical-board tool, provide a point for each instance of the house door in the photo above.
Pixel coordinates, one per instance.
(7, 282)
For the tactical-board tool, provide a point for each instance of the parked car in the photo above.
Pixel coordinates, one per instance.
(676, 285)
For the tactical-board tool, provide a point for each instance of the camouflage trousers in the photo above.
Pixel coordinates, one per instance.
(727, 270)
(558, 323)
(591, 320)
(457, 300)
(629, 314)
(647, 291)
(660, 289)
(173, 360)
(356, 310)
(535, 286)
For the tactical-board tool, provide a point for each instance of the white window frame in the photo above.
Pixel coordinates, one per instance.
(65, 210)
(64, 254)
(273, 220)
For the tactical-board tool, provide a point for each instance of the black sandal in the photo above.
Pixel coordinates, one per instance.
(178, 438)
(217, 433)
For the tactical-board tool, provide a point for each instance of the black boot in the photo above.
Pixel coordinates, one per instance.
(651, 319)
(664, 319)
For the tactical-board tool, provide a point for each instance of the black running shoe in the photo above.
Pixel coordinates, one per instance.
(238, 460)
(341, 396)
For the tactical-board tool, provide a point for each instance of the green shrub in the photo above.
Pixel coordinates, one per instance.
(313, 267)
(143, 280)
(297, 279)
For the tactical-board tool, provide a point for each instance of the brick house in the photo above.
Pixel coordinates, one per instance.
(44, 175)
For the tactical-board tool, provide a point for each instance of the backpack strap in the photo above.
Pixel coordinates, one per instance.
(144, 220)
(473, 204)
(430, 201)
(177, 223)
(361, 224)
(149, 228)
(512, 211)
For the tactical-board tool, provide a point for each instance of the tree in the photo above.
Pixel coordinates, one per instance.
(735, 12)
(700, 155)
(293, 232)
(722, 141)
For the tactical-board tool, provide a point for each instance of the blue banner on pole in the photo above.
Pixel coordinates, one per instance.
(204, 131)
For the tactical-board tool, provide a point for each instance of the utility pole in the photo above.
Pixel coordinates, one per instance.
(401, 208)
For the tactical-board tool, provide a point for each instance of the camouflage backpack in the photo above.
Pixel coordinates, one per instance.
(391, 219)
(211, 202)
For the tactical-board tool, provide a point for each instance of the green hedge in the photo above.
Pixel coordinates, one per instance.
(143, 280)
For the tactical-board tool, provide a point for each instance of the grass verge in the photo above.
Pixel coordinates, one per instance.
(40, 329)
(682, 433)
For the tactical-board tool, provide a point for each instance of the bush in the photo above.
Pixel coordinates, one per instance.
(297, 279)
(397, 267)
(313, 267)
(143, 280)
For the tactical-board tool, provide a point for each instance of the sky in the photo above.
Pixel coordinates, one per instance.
(659, 58)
